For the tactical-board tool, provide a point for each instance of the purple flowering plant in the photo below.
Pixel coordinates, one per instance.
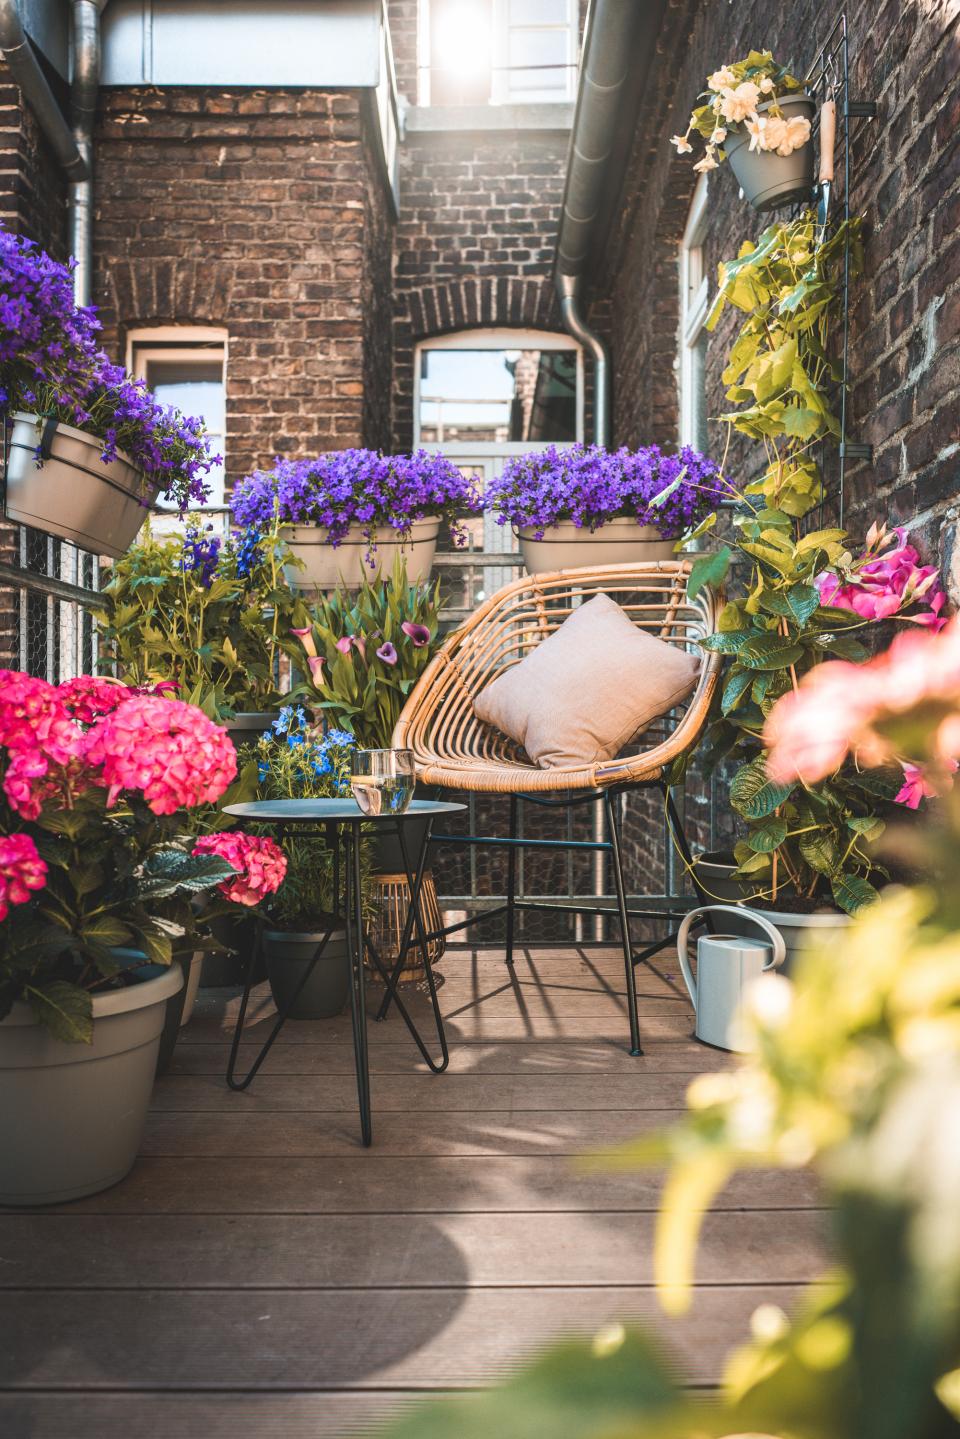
(591, 485)
(51, 365)
(345, 488)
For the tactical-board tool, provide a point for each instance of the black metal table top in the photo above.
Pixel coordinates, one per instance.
(342, 811)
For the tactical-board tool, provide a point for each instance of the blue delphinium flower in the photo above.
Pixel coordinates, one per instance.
(201, 554)
(249, 554)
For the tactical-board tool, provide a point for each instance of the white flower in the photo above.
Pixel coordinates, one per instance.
(768, 1000)
(740, 102)
(774, 132)
(766, 84)
(682, 143)
(718, 136)
(722, 78)
(708, 162)
(796, 133)
(756, 130)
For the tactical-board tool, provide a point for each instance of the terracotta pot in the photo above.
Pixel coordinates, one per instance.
(72, 1115)
(73, 494)
(566, 547)
(326, 566)
(769, 180)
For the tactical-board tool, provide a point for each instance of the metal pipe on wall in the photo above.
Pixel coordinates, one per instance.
(24, 66)
(83, 104)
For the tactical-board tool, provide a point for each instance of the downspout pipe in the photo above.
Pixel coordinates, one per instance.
(24, 66)
(608, 48)
(83, 105)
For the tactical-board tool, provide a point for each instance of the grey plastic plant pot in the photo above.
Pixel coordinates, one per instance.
(715, 871)
(288, 954)
(326, 566)
(74, 494)
(565, 546)
(769, 180)
(72, 1115)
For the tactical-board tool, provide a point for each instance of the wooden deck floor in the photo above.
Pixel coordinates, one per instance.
(259, 1274)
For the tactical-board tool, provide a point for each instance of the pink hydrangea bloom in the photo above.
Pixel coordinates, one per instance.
(886, 581)
(167, 749)
(840, 708)
(260, 864)
(89, 696)
(33, 716)
(23, 795)
(21, 870)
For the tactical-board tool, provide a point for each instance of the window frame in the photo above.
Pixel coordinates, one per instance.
(183, 342)
(500, 55)
(496, 339)
(694, 296)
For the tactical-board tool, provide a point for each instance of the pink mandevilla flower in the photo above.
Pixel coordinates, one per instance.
(165, 748)
(886, 581)
(260, 864)
(840, 709)
(21, 870)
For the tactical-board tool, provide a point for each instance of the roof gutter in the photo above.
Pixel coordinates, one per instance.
(83, 104)
(24, 66)
(607, 82)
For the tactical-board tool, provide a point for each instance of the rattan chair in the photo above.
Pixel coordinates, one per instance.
(455, 750)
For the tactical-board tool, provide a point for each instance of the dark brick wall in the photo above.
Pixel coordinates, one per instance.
(33, 192)
(474, 243)
(261, 211)
(905, 315)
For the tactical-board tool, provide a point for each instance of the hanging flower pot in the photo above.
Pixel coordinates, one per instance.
(58, 482)
(768, 178)
(349, 514)
(567, 546)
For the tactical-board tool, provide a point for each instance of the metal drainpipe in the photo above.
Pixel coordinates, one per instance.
(83, 104)
(16, 51)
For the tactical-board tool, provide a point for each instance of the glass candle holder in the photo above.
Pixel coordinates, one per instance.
(383, 780)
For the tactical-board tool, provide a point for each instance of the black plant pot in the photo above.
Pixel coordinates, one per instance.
(238, 935)
(288, 954)
(387, 852)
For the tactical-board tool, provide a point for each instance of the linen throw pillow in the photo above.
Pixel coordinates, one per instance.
(588, 689)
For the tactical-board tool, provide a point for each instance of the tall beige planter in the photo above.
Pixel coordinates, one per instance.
(566, 547)
(72, 1115)
(325, 566)
(73, 494)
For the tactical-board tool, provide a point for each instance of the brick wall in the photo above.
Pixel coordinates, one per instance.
(905, 316)
(261, 211)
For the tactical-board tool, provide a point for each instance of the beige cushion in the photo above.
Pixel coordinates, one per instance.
(588, 689)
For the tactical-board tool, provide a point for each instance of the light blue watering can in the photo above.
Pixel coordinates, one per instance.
(726, 965)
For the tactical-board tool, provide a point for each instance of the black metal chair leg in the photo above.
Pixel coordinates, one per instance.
(609, 802)
(353, 911)
(511, 881)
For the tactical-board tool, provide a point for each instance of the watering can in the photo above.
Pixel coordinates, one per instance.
(726, 965)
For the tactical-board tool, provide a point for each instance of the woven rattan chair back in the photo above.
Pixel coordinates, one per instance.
(453, 748)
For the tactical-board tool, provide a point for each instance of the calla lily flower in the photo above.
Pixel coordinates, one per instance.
(387, 653)
(419, 634)
(345, 644)
(316, 663)
(306, 639)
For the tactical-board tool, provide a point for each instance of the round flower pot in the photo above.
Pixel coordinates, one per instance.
(248, 726)
(767, 179)
(715, 871)
(326, 566)
(72, 1115)
(238, 935)
(288, 954)
(565, 546)
(192, 986)
(73, 494)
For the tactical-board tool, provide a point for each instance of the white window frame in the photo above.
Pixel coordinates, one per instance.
(489, 339)
(181, 342)
(500, 57)
(694, 293)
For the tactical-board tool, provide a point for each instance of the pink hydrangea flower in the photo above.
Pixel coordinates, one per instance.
(33, 716)
(23, 795)
(21, 870)
(260, 864)
(89, 696)
(167, 749)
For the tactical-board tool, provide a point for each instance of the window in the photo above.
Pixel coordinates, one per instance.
(185, 366)
(498, 388)
(475, 52)
(693, 313)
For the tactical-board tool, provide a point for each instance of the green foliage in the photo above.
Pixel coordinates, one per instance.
(789, 285)
(218, 641)
(358, 689)
(819, 845)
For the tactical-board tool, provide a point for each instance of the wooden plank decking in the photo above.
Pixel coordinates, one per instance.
(259, 1274)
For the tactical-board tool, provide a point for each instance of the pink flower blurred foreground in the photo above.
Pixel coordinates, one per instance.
(166, 749)
(886, 581)
(33, 716)
(260, 864)
(21, 870)
(843, 709)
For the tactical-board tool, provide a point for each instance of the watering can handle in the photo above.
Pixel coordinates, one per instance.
(779, 948)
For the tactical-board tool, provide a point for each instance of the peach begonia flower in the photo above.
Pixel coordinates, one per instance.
(796, 133)
(721, 79)
(739, 102)
(718, 136)
(774, 132)
(766, 85)
(709, 162)
(682, 143)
